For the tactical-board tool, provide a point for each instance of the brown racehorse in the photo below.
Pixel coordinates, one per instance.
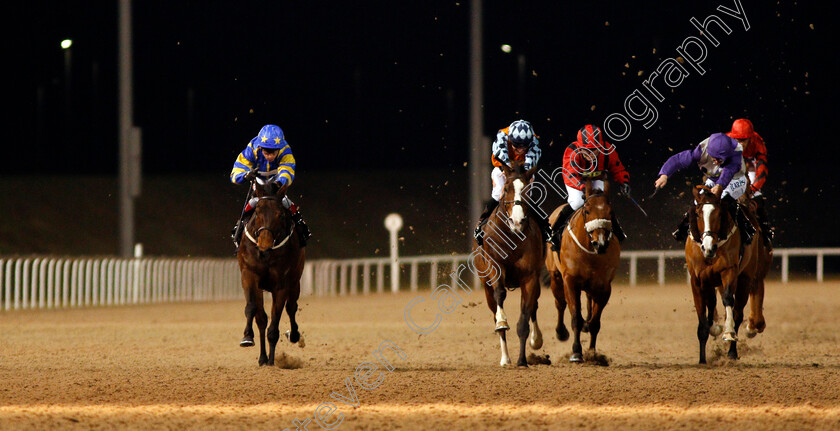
(716, 260)
(511, 256)
(270, 260)
(586, 262)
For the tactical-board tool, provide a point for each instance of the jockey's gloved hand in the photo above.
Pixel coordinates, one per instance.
(624, 189)
(251, 175)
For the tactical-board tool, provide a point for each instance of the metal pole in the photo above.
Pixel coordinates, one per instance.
(477, 150)
(126, 116)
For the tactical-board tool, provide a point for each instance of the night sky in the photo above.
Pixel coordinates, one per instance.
(372, 85)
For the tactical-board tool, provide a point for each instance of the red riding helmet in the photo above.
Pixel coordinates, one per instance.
(741, 129)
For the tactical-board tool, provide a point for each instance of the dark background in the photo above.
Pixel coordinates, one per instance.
(367, 88)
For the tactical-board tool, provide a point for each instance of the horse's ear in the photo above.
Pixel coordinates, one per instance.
(607, 186)
(587, 188)
(530, 173)
(282, 191)
(696, 191)
(692, 223)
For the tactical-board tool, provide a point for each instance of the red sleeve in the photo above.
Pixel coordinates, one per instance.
(616, 169)
(570, 176)
(760, 157)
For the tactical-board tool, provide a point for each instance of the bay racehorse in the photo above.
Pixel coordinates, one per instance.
(586, 262)
(718, 260)
(270, 260)
(511, 256)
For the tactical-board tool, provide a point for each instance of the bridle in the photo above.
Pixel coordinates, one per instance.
(276, 244)
(708, 232)
(590, 226)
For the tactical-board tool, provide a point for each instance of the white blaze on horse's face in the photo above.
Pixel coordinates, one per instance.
(518, 212)
(708, 243)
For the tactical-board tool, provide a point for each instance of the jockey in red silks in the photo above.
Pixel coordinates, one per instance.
(267, 156)
(515, 142)
(590, 156)
(755, 157)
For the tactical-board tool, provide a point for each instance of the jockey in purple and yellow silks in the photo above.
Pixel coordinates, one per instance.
(268, 155)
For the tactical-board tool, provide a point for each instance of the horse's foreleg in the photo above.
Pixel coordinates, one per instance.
(278, 299)
(573, 301)
(291, 310)
(250, 289)
(598, 302)
(560, 304)
(262, 321)
(701, 306)
(742, 291)
(499, 295)
(535, 338)
(530, 290)
(729, 282)
(589, 301)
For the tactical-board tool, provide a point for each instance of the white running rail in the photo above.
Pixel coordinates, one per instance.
(60, 282)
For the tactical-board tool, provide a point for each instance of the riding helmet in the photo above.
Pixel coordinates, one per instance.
(520, 133)
(270, 136)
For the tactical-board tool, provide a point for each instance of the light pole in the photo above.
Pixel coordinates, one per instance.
(68, 62)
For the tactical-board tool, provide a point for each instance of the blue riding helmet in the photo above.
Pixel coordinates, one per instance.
(270, 137)
(721, 146)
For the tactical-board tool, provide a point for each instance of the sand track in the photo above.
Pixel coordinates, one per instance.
(179, 365)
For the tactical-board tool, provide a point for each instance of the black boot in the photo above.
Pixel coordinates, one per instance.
(617, 230)
(682, 229)
(766, 228)
(489, 206)
(548, 234)
(559, 226)
(301, 228)
(744, 225)
(239, 228)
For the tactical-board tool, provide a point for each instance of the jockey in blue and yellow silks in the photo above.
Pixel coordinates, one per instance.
(268, 155)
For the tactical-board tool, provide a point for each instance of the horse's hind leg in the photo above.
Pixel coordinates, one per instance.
(251, 291)
(560, 304)
(495, 298)
(262, 321)
(535, 339)
(756, 323)
(741, 296)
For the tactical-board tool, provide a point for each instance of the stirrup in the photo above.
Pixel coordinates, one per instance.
(479, 239)
(680, 234)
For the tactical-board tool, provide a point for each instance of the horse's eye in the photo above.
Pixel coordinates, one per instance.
(586, 212)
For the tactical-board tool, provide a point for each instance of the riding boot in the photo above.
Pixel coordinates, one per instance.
(617, 230)
(489, 206)
(682, 229)
(239, 228)
(744, 225)
(300, 226)
(548, 234)
(559, 226)
(767, 231)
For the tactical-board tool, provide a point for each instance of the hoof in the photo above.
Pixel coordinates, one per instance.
(502, 325)
(751, 332)
(504, 361)
(576, 358)
(715, 330)
(536, 343)
(293, 337)
(247, 342)
(522, 364)
(562, 333)
(732, 355)
(730, 336)
(263, 361)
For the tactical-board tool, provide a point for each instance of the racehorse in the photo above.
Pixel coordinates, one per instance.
(511, 256)
(270, 260)
(586, 262)
(718, 260)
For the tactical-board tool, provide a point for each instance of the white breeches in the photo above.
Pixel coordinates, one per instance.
(736, 187)
(498, 178)
(577, 198)
(751, 174)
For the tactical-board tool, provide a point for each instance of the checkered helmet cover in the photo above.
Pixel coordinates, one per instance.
(521, 133)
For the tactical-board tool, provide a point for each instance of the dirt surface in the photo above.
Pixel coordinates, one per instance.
(180, 366)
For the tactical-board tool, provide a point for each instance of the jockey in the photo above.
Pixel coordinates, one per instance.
(517, 140)
(589, 157)
(720, 159)
(267, 155)
(755, 155)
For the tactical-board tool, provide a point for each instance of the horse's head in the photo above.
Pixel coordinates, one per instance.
(597, 217)
(711, 220)
(514, 199)
(270, 223)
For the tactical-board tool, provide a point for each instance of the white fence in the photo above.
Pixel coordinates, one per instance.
(52, 282)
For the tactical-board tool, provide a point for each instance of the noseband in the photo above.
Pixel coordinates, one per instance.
(273, 234)
(590, 226)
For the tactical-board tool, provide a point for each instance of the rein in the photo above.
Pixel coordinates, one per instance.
(708, 232)
(589, 227)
